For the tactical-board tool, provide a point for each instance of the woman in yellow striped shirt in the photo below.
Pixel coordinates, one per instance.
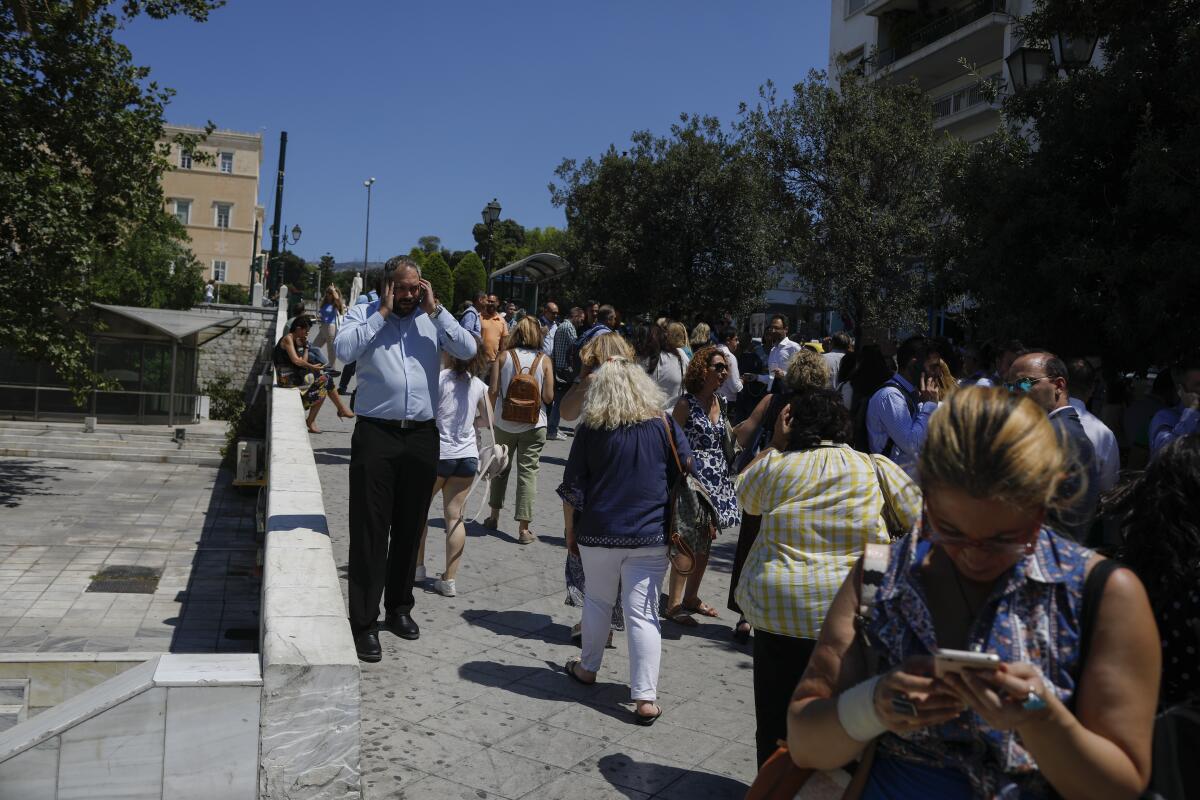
(821, 502)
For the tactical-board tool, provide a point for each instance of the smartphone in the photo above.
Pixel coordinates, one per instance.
(958, 660)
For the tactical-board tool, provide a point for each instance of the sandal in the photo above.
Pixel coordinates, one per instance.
(702, 608)
(741, 631)
(680, 616)
(570, 666)
(492, 523)
(647, 720)
(526, 537)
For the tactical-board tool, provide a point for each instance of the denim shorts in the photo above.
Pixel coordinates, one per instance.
(457, 467)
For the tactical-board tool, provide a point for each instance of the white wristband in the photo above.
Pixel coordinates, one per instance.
(857, 714)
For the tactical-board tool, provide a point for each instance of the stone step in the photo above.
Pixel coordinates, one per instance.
(14, 701)
(10, 716)
(210, 433)
(60, 441)
(113, 454)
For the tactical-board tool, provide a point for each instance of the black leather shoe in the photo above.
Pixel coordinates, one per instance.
(403, 626)
(367, 645)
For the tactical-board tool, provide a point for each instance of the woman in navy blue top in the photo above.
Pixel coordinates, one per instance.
(618, 477)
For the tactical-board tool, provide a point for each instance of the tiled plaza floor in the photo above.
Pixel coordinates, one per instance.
(62, 521)
(479, 707)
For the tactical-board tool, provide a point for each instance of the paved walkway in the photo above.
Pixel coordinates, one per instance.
(63, 521)
(479, 707)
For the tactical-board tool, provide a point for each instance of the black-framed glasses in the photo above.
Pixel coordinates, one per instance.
(720, 366)
(1023, 385)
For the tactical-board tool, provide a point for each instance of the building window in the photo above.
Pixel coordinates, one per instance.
(227, 163)
(185, 159)
(218, 272)
(854, 6)
(183, 211)
(223, 212)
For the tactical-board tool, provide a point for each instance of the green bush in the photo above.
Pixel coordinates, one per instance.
(234, 294)
(226, 400)
(438, 274)
(470, 277)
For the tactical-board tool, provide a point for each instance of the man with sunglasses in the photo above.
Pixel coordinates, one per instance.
(1043, 377)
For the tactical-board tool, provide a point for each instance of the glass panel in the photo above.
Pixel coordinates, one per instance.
(13, 370)
(121, 362)
(48, 377)
(117, 407)
(18, 402)
(185, 371)
(156, 368)
(57, 401)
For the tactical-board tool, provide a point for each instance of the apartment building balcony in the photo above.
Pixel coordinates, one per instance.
(930, 49)
(876, 8)
(966, 112)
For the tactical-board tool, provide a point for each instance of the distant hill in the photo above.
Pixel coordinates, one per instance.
(356, 266)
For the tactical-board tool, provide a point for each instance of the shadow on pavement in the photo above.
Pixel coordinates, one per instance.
(528, 624)
(20, 479)
(332, 455)
(220, 606)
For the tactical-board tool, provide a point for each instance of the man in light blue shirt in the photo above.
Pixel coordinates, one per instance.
(898, 414)
(1184, 419)
(396, 342)
(470, 318)
(549, 323)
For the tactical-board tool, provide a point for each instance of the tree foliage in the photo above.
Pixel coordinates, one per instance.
(153, 268)
(437, 273)
(327, 268)
(860, 164)
(470, 277)
(80, 168)
(1084, 236)
(508, 237)
(683, 222)
(429, 244)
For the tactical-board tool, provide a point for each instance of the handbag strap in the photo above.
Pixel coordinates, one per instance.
(671, 441)
(890, 518)
(1093, 590)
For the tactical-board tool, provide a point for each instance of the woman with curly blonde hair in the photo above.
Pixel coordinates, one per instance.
(677, 338)
(702, 417)
(618, 477)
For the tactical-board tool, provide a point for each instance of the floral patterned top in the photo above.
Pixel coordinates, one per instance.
(1034, 615)
(710, 466)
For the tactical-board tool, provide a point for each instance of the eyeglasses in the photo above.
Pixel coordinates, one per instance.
(719, 367)
(1023, 385)
(999, 545)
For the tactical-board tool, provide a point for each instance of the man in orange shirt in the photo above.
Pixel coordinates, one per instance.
(492, 328)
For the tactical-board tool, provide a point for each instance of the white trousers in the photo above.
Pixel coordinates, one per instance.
(324, 340)
(639, 572)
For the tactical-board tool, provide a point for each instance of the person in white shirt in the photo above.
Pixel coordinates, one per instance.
(1081, 383)
(781, 354)
(728, 391)
(462, 407)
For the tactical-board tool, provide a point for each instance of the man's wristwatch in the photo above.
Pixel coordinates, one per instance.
(437, 310)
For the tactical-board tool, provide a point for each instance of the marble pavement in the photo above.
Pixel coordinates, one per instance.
(479, 707)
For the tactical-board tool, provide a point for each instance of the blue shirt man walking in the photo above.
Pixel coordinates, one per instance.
(396, 341)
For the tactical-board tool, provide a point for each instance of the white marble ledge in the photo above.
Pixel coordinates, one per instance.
(74, 658)
(299, 539)
(74, 710)
(308, 642)
(297, 501)
(209, 669)
(297, 477)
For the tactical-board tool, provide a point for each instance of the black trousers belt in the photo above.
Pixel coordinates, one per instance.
(401, 424)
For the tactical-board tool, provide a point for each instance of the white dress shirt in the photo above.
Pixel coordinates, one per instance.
(733, 384)
(781, 355)
(1108, 459)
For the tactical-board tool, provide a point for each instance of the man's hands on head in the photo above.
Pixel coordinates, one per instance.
(385, 299)
(429, 302)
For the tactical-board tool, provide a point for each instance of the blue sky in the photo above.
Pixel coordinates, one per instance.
(450, 104)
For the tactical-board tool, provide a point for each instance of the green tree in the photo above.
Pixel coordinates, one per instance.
(328, 269)
(429, 244)
(417, 255)
(682, 223)
(80, 167)
(861, 168)
(153, 268)
(470, 277)
(544, 240)
(508, 236)
(1086, 241)
(437, 273)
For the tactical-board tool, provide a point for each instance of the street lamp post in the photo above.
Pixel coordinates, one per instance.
(369, 182)
(285, 239)
(491, 214)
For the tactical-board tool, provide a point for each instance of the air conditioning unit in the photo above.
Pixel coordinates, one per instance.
(251, 462)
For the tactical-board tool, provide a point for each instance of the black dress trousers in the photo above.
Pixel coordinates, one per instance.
(779, 662)
(392, 472)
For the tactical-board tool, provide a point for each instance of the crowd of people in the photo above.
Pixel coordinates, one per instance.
(959, 579)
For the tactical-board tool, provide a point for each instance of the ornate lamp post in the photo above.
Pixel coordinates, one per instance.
(491, 214)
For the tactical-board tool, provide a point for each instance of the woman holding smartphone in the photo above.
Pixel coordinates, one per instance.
(1069, 708)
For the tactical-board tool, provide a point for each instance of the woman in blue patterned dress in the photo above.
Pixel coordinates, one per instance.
(1069, 709)
(703, 419)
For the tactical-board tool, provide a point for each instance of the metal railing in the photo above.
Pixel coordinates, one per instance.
(964, 98)
(23, 400)
(939, 28)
